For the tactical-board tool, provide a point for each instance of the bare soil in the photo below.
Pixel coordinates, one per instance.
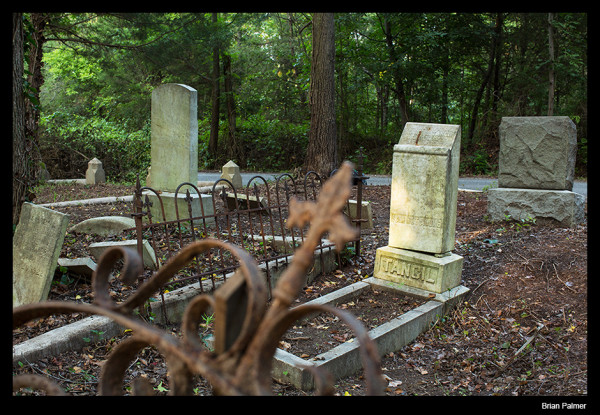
(522, 329)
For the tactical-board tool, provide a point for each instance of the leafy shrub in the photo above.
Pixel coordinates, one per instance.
(268, 145)
(70, 141)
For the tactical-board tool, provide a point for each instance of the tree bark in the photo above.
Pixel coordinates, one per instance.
(321, 154)
(215, 102)
(21, 174)
(486, 79)
(551, 74)
(399, 88)
(233, 148)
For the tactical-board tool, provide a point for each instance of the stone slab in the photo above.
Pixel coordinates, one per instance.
(366, 213)
(537, 153)
(37, 242)
(171, 212)
(563, 206)
(174, 136)
(425, 188)
(81, 266)
(104, 225)
(98, 248)
(418, 269)
(244, 201)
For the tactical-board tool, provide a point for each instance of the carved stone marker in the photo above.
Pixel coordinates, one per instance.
(535, 171)
(174, 148)
(37, 243)
(423, 210)
(95, 173)
(174, 151)
(231, 172)
(425, 188)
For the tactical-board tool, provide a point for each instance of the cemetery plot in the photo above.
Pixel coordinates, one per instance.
(520, 275)
(311, 337)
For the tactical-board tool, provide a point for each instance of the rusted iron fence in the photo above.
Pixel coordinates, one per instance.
(253, 218)
(248, 328)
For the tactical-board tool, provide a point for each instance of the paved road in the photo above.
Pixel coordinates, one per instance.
(468, 183)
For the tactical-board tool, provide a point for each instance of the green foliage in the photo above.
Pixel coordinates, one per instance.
(268, 145)
(123, 153)
(96, 96)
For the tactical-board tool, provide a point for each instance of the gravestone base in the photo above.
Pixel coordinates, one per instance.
(417, 269)
(564, 206)
(168, 200)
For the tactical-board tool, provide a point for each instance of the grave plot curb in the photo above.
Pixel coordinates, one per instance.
(344, 359)
(77, 335)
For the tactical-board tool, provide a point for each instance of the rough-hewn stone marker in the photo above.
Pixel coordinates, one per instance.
(37, 243)
(537, 153)
(536, 166)
(423, 210)
(174, 151)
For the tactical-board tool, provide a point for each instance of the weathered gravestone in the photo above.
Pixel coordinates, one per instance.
(174, 152)
(231, 172)
(423, 210)
(95, 173)
(536, 166)
(37, 243)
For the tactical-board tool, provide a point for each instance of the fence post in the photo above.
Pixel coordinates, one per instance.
(137, 215)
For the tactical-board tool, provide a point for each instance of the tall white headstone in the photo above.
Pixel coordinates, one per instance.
(423, 210)
(174, 152)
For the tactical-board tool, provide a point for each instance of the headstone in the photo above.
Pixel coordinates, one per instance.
(95, 173)
(423, 210)
(104, 225)
(174, 146)
(231, 302)
(231, 172)
(536, 170)
(425, 188)
(537, 153)
(174, 151)
(37, 242)
(366, 213)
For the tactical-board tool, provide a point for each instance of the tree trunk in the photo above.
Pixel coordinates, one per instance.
(21, 175)
(551, 75)
(485, 81)
(321, 154)
(399, 89)
(214, 120)
(233, 149)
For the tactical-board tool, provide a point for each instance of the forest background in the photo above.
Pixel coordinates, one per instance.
(88, 79)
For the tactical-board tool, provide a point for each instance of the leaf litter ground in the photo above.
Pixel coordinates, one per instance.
(522, 330)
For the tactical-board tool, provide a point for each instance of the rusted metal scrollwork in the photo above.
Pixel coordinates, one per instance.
(245, 342)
